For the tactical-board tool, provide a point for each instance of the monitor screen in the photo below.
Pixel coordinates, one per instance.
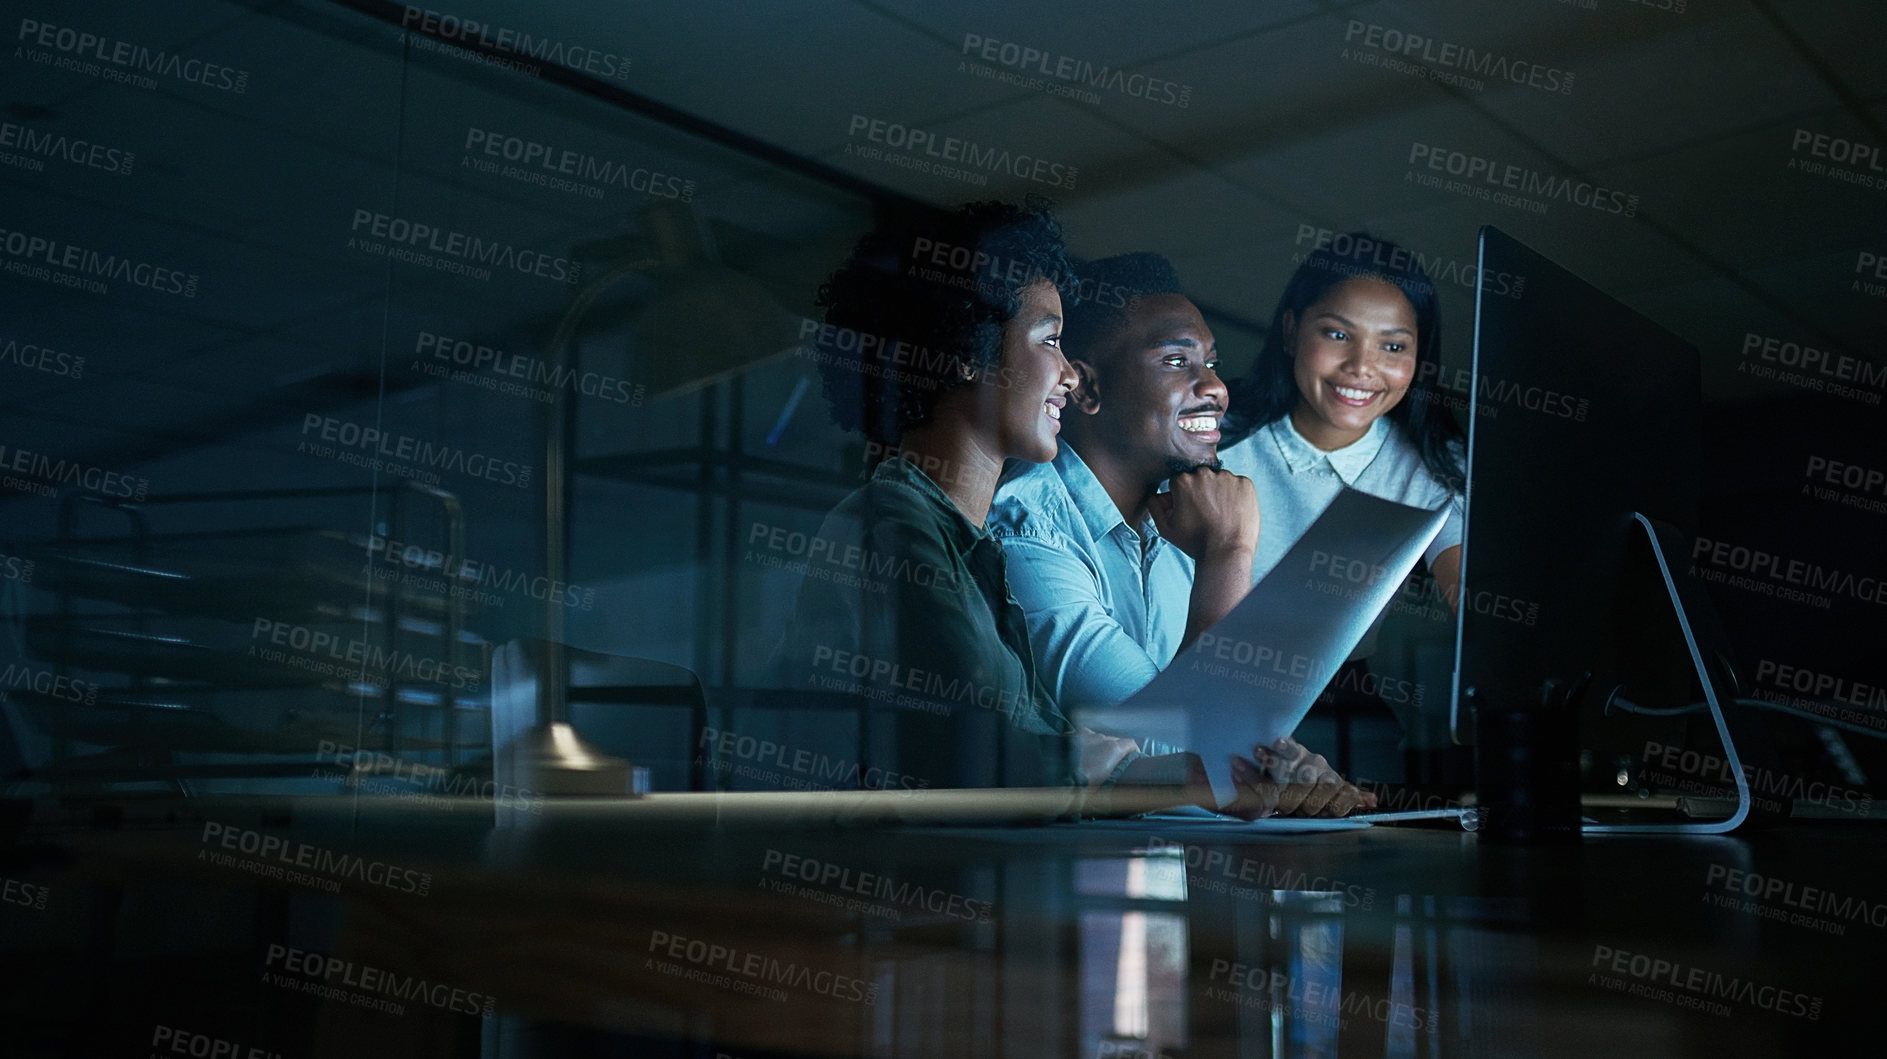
(1584, 413)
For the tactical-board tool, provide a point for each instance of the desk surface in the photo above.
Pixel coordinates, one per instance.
(747, 926)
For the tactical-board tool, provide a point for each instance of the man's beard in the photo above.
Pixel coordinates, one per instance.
(1175, 465)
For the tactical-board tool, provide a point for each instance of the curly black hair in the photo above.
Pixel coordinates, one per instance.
(1108, 286)
(1269, 393)
(922, 299)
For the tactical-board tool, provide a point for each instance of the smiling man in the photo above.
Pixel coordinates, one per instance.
(1114, 576)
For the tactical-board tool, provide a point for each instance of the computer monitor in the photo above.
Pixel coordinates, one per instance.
(1582, 498)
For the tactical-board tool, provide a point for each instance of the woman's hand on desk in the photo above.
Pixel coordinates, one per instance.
(1296, 783)
(1288, 780)
(1259, 797)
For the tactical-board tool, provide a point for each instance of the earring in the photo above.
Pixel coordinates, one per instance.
(968, 373)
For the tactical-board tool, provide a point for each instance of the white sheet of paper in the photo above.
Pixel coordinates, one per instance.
(1252, 677)
(1225, 825)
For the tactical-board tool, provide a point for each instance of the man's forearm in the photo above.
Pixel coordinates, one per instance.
(1219, 581)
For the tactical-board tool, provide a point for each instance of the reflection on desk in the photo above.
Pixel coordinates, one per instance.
(707, 925)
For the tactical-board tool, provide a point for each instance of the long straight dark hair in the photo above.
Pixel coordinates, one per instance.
(1269, 393)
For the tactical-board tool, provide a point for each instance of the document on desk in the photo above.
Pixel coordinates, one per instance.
(1274, 825)
(1252, 677)
(1192, 818)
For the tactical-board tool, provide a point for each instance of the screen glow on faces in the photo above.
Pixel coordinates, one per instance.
(1353, 357)
(1161, 399)
(1032, 387)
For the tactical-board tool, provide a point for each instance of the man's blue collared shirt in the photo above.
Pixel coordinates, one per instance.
(1106, 603)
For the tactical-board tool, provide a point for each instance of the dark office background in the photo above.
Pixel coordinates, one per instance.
(218, 313)
(715, 167)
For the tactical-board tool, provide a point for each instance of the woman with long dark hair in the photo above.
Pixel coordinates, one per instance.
(1345, 393)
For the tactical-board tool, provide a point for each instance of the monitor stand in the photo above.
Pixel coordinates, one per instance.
(1708, 648)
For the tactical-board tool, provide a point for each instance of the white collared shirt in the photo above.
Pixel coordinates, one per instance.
(1296, 481)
